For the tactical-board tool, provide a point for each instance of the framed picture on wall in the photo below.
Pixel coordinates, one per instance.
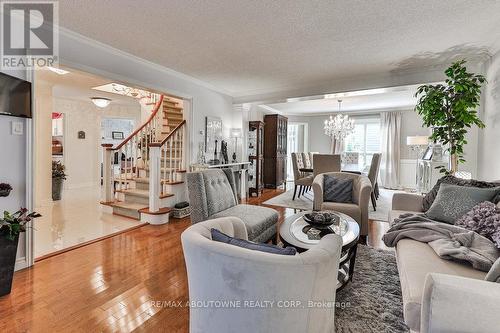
(428, 154)
(117, 135)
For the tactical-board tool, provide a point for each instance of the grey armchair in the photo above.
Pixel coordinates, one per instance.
(222, 272)
(212, 194)
(361, 191)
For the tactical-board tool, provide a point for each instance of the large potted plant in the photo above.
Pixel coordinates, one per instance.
(450, 109)
(11, 225)
(58, 176)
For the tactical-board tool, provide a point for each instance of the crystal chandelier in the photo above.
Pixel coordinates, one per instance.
(340, 126)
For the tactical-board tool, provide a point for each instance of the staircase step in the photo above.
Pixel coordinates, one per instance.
(127, 209)
(145, 180)
(170, 107)
(136, 193)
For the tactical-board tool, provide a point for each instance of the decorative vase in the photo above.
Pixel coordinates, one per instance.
(4, 193)
(8, 249)
(56, 188)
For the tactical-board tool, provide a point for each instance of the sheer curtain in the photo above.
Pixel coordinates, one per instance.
(390, 135)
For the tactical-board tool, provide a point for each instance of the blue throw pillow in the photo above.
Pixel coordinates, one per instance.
(262, 247)
(337, 189)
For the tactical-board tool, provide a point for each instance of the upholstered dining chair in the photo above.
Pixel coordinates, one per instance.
(301, 180)
(306, 159)
(311, 157)
(351, 157)
(221, 272)
(326, 163)
(373, 176)
(212, 194)
(358, 209)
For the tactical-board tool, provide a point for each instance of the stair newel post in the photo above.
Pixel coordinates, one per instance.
(170, 178)
(107, 170)
(183, 137)
(154, 176)
(176, 142)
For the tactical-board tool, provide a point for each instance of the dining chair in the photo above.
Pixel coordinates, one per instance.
(326, 163)
(351, 157)
(299, 179)
(311, 157)
(373, 176)
(307, 160)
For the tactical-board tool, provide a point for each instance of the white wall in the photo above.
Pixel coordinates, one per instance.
(489, 137)
(82, 53)
(14, 170)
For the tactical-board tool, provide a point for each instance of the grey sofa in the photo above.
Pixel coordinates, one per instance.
(361, 191)
(223, 272)
(441, 295)
(212, 194)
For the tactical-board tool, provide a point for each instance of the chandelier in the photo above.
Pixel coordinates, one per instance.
(340, 126)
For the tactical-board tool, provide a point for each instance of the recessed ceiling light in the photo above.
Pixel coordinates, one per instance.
(57, 70)
(100, 102)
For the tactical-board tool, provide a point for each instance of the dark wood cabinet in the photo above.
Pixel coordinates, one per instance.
(255, 157)
(275, 149)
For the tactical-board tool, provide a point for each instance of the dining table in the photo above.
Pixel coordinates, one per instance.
(352, 168)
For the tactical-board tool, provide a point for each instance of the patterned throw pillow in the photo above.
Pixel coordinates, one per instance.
(262, 247)
(337, 189)
(431, 196)
(484, 219)
(453, 201)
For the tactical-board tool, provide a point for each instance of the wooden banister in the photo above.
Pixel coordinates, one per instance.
(159, 144)
(150, 119)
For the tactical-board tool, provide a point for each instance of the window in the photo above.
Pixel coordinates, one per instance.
(365, 139)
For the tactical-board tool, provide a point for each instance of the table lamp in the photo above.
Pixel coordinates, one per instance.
(235, 133)
(417, 143)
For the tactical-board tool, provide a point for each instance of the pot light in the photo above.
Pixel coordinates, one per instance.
(57, 70)
(100, 102)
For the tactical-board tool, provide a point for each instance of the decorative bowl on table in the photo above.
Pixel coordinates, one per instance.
(321, 220)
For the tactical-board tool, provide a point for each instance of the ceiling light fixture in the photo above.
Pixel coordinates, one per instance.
(57, 70)
(340, 126)
(100, 102)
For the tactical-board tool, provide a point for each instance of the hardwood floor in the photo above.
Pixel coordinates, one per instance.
(109, 286)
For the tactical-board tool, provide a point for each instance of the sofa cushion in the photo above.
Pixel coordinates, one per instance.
(484, 219)
(337, 189)
(453, 201)
(431, 196)
(257, 219)
(415, 260)
(219, 236)
(220, 195)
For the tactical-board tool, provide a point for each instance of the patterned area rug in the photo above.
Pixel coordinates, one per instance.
(372, 302)
(305, 202)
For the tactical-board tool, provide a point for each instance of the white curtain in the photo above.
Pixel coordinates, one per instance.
(337, 146)
(390, 140)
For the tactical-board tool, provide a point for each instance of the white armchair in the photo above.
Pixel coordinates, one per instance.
(223, 272)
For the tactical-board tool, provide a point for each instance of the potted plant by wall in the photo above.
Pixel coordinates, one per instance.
(450, 109)
(5, 189)
(58, 176)
(11, 225)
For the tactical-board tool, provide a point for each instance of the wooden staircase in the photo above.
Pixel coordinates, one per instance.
(131, 187)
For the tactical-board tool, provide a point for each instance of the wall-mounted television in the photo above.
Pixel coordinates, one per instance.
(15, 96)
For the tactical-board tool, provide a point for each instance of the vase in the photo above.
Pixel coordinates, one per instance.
(56, 188)
(8, 249)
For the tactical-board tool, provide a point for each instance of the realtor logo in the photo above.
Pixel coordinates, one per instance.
(29, 37)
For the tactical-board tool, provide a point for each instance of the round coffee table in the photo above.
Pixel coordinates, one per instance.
(297, 233)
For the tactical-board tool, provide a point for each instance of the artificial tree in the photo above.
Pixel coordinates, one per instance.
(450, 109)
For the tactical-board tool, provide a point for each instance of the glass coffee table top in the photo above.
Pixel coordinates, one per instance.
(298, 233)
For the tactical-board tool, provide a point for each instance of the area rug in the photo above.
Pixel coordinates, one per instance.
(372, 302)
(305, 202)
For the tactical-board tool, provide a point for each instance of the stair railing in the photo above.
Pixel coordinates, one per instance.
(130, 154)
(167, 158)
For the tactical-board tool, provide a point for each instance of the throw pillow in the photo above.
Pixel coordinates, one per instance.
(484, 219)
(453, 201)
(494, 272)
(431, 196)
(337, 189)
(262, 247)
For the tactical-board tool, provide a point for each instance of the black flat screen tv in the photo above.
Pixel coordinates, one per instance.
(15, 96)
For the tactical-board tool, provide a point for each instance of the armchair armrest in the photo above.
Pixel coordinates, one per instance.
(318, 192)
(407, 201)
(457, 304)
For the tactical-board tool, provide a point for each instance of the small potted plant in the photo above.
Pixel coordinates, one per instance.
(5, 189)
(11, 225)
(58, 176)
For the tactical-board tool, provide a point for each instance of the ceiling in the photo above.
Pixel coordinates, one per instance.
(245, 47)
(78, 85)
(398, 98)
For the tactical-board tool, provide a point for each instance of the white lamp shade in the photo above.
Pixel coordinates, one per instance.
(417, 140)
(235, 133)
(101, 102)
